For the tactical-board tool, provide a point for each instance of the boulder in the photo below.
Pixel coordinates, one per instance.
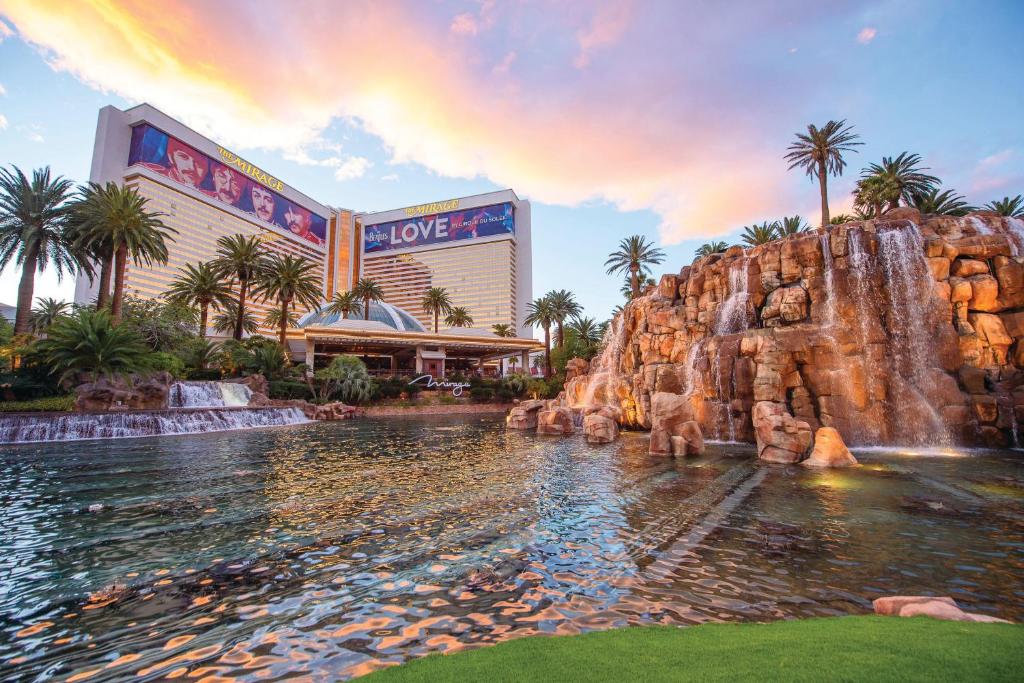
(668, 413)
(944, 608)
(555, 422)
(576, 367)
(334, 411)
(781, 438)
(689, 440)
(135, 392)
(829, 450)
(524, 415)
(891, 605)
(966, 267)
(257, 383)
(600, 429)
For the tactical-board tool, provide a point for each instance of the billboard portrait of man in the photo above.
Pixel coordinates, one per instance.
(262, 202)
(299, 222)
(187, 166)
(226, 185)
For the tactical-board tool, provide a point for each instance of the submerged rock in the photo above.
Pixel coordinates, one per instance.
(689, 440)
(555, 422)
(944, 608)
(781, 438)
(524, 415)
(829, 450)
(600, 429)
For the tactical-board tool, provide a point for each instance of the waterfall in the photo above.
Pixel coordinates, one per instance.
(604, 367)
(910, 285)
(733, 314)
(208, 395)
(979, 225)
(830, 283)
(859, 265)
(118, 425)
(1015, 235)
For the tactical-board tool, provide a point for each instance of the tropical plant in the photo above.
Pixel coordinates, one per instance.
(820, 153)
(90, 344)
(162, 325)
(227, 320)
(458, 317)
(117, 217)
(586, 330)
(945, 203)
(201, 353)
(755, 234)
(791, 225)
(346, 377)
(47, 312)
(563, 305)
(367, 290)
(33, 232)
(342, 304)
(436, 301)
(644, 280)
(904, 174)
(709, 248)
(503, 330)
(200, 285)
(272, 320)
(873, 193)
(239, 257)
(540, 314)
(635, 255)
(268, 359)
(288, 280)
(1007, 206)
(841, 218)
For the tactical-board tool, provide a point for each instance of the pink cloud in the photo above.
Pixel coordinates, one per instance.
(866, 35)
(605, 29)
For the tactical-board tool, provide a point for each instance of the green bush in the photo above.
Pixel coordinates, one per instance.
(504, 394)
(345, 378)
(447, 400)
(285, 389)
(50, 403)
(481, 394)
(161, 361)
(208, 375)
(516, 383)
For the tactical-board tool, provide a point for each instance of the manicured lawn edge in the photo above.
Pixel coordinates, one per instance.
(855, 648)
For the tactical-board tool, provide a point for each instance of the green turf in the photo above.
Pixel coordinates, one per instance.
(861, 648)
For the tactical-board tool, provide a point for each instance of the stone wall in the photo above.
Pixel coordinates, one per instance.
(903, 330)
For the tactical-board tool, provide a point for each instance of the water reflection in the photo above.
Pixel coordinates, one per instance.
(339, 548)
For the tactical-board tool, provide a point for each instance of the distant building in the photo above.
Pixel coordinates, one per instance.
(8, 312)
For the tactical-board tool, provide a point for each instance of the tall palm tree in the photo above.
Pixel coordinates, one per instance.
(367, 290)
(117, 217)
(200, 285)
(904, 174)
(227, 320)
(343, 303)
(709, 248)
(289, 280)
(945, 203)
(458, 317)
(791, 225)
(563, 305)
(33, 218)
(1012, 207)
(503, 330)
(272, 319)
(820, 153)
(644, 281)
(436, 301)
(755, 234)
(586, 330)
(873, 193)
(634, 255)
(540, 314)
(241, 258)
(47, 312)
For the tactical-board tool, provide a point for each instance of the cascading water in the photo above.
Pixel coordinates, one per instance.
(603, 377)
(732, 316)
(119, 425)
(830, 284)
(208, 395)
(1015, 233)
(859, 263)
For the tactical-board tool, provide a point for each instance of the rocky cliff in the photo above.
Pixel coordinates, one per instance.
(904, 330)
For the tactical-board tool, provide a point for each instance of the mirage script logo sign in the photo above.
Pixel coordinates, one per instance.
(430, 383)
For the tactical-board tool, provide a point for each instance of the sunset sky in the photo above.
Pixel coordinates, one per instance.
(666, 119)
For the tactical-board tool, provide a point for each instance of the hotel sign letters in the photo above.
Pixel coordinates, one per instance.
(431, 383)
(432, 207)
(232, 159)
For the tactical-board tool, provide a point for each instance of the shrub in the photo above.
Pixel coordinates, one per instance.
(504, 394)
(50, 403)
(447, 400)
(285, 389)
(481, 394)
(345, 378)
(161, 361)
(516, 383)
(412, 389)
(208, 375)
(90, 344)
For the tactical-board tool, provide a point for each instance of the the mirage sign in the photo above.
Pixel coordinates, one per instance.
(439, 228)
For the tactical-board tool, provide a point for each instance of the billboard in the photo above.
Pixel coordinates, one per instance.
(440, 228)
(170, 157)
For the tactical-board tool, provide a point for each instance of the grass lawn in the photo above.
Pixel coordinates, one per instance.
(860, 648)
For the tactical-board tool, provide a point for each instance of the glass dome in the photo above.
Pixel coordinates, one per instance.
(380, 312)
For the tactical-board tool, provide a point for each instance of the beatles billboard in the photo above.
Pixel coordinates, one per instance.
(440, 228)
(229, 180)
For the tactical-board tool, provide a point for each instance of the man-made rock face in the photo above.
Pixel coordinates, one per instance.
(599, 428)
(780, 436)
(555, 421)
(120, 393)
(924, 605)
(829, 450)
(524, 415)
(903, 330)
(689, 441)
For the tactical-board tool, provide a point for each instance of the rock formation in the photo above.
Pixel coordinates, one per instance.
(149, 392)
(600, 428)
(524, 415)
(902, 330)
(555, 421)
(829, 450)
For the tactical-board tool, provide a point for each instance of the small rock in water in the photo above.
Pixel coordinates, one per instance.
(95, 507)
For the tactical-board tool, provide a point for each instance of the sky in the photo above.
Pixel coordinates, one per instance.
(665, 119)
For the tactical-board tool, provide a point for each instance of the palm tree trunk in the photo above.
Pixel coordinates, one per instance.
(120, 261)
(878, 211)
(26, 290)
(634, 281)
(204, 311)
(242, 286)
(366, 308)
(106, 265)
(547, 352)
(823, 183)
(561, 335)
(284, 329)
(437, 312)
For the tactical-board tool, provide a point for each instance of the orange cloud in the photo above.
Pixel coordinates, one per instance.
(275, 75)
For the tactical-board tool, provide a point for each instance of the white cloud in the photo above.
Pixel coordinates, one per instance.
(3, 90)
(352, 168)
(3, 122)
(389, 177)
(32, 133)
(997, 159)
(464, 25)
(605, 29)
(5, 31)
(866, 35)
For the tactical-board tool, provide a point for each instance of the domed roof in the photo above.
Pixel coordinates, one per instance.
(380, 312)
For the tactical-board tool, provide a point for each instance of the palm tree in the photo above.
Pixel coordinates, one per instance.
(436, 301)
(904, 175)
(633, 256)
(709, 248)
(241, 258)
(288, 280)
(586, 330)
(47, 312)
(790, 225)
(563, 305)
(227, 320)
(33, 217)
(645, 281)
(201, 286)
(116, 217)
(458, 317)
(343, 303)
(820, 153)
(873, 193)
(367, 290)
(503, 330)
(272, 319)
(945, 203)
(1014, 208)
(541, 314)
(755, 234)
(202, 352)
(90, 343)
(841, 218)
